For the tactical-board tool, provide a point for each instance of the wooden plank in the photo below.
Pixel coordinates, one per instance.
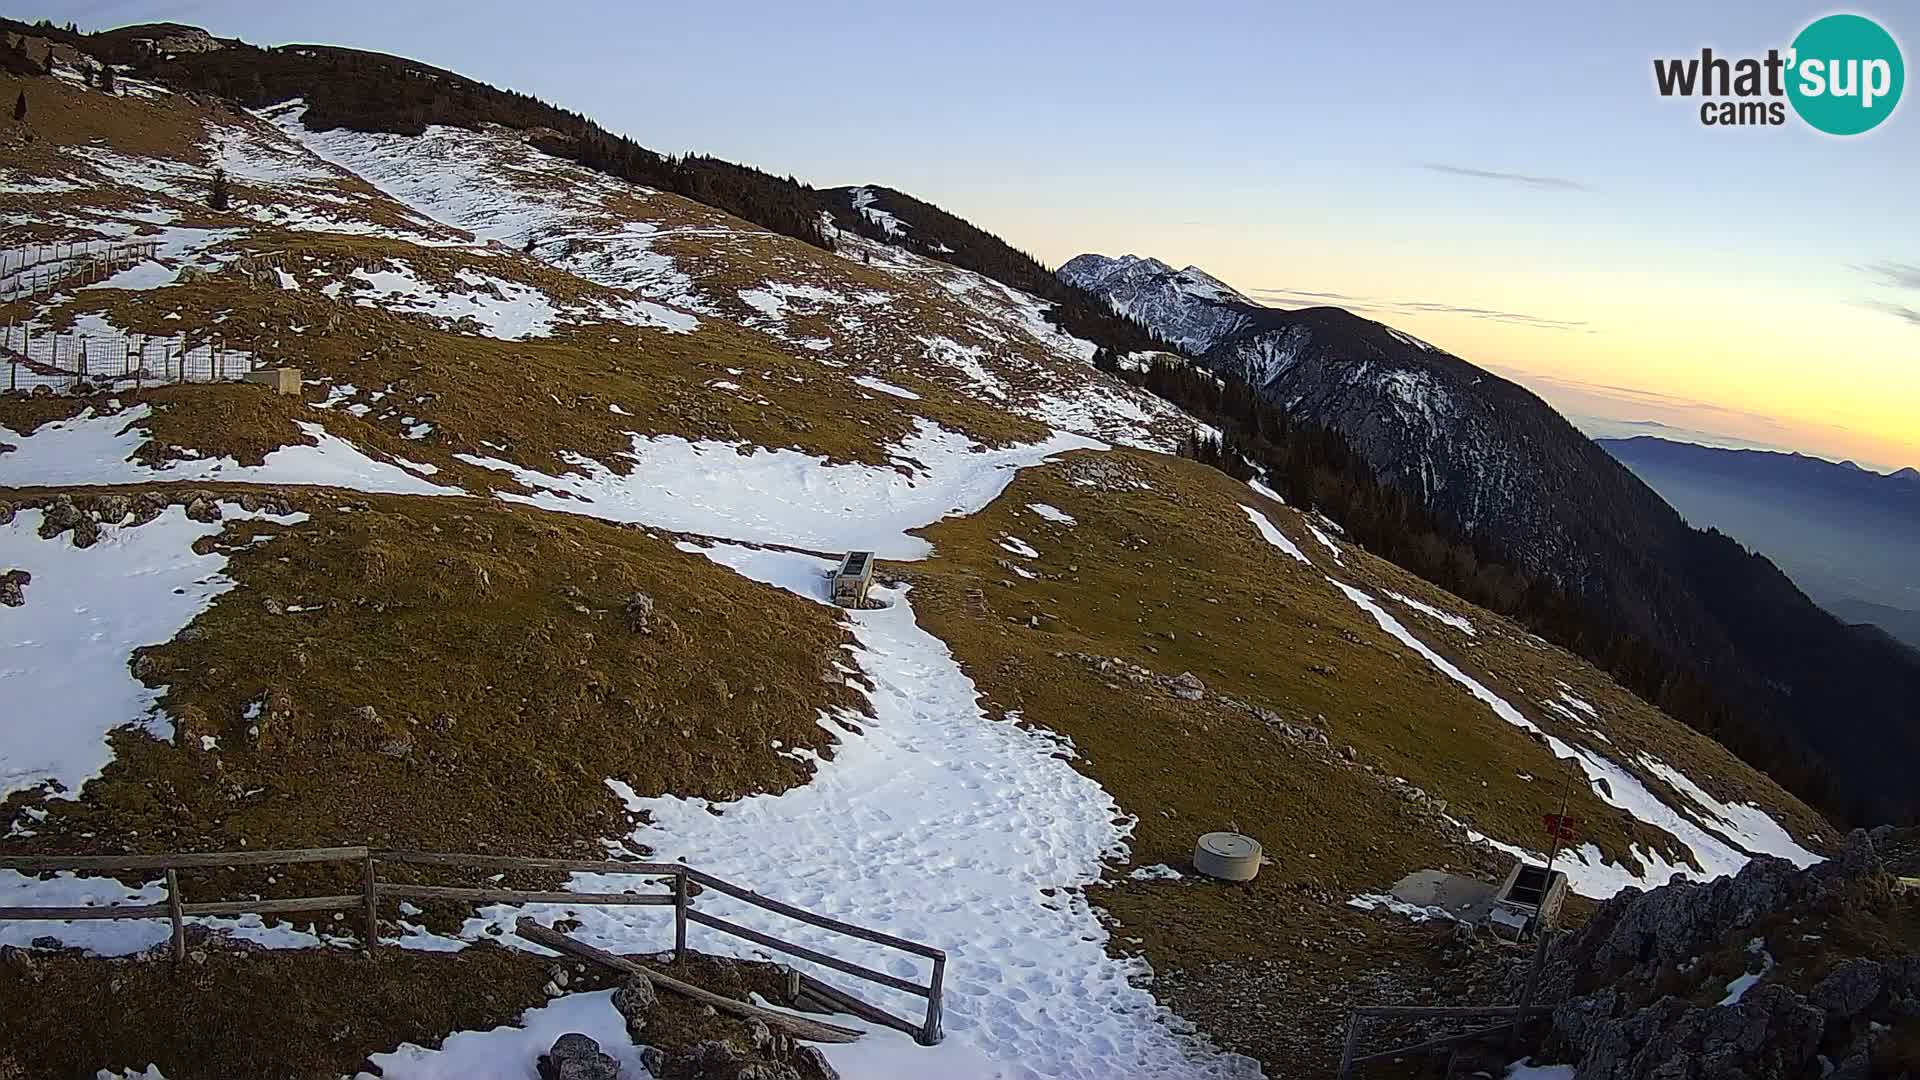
(1431, 1044)
(838, 1000)
(1352, 1044)
(805, 953)
(175, 914)
(805, 916)
(182, 860)
(272, 907)
(518, 896)
(795, 1026)
(68, 914)
(515, 862)
(1452, 1010)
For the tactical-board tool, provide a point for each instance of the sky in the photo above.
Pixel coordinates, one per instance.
(1509, 186)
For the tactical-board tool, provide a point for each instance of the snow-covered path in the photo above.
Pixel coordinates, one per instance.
(939, 825)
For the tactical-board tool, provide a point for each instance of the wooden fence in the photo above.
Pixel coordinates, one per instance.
(44, 268)
(176, 909)
(1513, 1015)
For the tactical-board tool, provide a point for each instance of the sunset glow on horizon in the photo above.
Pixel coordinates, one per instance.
(1539, 210)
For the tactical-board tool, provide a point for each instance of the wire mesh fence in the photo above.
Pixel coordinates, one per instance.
(74, 362)
(37, 269)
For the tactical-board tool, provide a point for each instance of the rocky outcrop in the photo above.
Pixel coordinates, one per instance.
(635, 1002)
(13, 585)
(1636, 993)
(576, 1057)
(715, 1060)
(83, 517)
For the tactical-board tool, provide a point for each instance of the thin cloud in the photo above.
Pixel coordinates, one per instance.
(1418, 307)
(1898, 275)
(1898, 311)
(1641, 401)
(1549, 183)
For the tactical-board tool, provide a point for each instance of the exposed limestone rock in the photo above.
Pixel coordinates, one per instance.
(576, 1057)
(1620, 1020)
(636, 1001)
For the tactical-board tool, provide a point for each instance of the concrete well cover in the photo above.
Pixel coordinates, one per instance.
(1227, 855)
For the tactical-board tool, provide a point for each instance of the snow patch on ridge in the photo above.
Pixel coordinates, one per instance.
(1587, 870)
(788, 497)
(63, 655)
(98, 449)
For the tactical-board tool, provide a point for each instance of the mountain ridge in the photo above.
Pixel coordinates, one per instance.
(1526, 486)
(534, 560)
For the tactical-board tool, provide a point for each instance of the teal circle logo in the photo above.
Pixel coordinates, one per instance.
(1846, 74)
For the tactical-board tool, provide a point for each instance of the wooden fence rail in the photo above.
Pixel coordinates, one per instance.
(1351, 1059)
(373, 889)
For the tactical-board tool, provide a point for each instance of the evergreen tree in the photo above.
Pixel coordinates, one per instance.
(20, 107)
(218, 197)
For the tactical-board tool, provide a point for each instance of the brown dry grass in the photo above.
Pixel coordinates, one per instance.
(316, 1013)
(505, 683)
(1176, 579)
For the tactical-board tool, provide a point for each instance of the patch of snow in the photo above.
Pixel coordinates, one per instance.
(1588, 873)
(1156, 872)
(1744, 823)
(1737, 989)
(787, 497)
(508, 1052)
(1273, 535)
(1052, 513)
(1018, 547)
(872, 383)
(1262, 489)
(98, 449)
(146, 274)
(969, 361)
(63, 668)
(499, 188)
(1458, 622)
(1325, 540)
(863, 199)
(1383, 902)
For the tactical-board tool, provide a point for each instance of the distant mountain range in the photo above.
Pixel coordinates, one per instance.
(1846, 535)
(1528, 489)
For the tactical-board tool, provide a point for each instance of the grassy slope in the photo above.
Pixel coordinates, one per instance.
(1176, 579)
(505, 679)
(310, 1014)
(425, 603)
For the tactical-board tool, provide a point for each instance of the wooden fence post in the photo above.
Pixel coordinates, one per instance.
(373, 910)
(174, 916)
(680, 917)
(930, 1034)
(1353, 1044)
